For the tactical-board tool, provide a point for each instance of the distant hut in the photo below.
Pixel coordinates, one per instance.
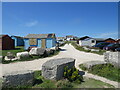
(110, 40)
(118, 41)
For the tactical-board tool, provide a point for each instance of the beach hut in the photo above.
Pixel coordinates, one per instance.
(40, 40)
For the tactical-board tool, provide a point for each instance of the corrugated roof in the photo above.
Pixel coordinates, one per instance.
(40, 36)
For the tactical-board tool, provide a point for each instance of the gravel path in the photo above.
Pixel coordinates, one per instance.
(67, 51)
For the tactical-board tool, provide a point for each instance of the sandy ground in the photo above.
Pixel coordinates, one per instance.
(67, 51)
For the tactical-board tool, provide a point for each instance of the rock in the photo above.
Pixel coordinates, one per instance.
(96, 50)
(54, 69)
(48, 51)
(86, 48)
(53, 48)
(37, 51)
(8, 59)
(90, 64)
(21, 78)
(113, 58)
(10, 55)
(22, 54)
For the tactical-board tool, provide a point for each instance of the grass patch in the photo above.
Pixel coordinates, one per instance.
(80, 48)
(41, 82)
(92, 83)
(64, 83)
(14, 51)
(105, 70)
(30, 58)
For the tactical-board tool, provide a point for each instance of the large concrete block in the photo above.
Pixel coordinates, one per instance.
(54, 69)
(21, 78)
(90, 64)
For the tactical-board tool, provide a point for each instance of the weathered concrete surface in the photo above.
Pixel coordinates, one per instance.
(92, 63)
(21, 78)
(113, 58)
(54, 69)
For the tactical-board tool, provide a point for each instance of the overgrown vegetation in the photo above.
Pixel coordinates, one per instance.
(80, 48)
(72, 75)
(105, 70)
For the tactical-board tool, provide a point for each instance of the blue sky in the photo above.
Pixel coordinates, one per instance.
(98, 19)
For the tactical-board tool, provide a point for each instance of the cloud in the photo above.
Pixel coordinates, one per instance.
(31, 24)
(110, 34)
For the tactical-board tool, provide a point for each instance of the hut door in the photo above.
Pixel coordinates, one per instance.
(43, 43)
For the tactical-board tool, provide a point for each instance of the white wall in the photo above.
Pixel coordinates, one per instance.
(87, 42)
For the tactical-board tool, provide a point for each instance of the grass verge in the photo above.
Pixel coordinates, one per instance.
(14, 51)
(80, 48)
(88, 83)
(105, 70)
(30, 58)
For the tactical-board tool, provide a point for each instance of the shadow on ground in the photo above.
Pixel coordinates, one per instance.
(62, 49)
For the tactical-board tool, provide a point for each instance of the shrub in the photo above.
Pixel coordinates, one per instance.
(64, 84)
(72, 75)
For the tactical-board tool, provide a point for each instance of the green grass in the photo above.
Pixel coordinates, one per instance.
(105, 70)
(92, 83)
(14, 51)
(29, 58)
(41, 82)
(80, 48)
(88, 83)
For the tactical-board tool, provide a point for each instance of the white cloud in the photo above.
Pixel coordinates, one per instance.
(32, 23)
(108, 35)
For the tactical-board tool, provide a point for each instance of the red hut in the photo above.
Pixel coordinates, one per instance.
(6, 42)
(110, 40)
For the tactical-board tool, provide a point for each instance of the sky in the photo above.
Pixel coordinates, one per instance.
(94, 19)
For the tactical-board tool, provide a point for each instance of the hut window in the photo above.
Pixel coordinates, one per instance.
(33, 41)
(93, 41)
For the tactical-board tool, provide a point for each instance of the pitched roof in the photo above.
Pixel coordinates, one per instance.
(60, 37)
(16, 36)
(52, 35)
(2, 35)
(85, 37)
(69, 36)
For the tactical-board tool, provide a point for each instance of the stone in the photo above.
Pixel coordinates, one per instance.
(90, 64)
(48, 51)
(20, 78)
(37, 51)
(10, 55)
(8, 59)
(22, 54)
(95, 50)
(113, 58)
(54, 69)
(86, 48)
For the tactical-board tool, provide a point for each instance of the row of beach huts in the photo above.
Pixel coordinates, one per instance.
(47, 41)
